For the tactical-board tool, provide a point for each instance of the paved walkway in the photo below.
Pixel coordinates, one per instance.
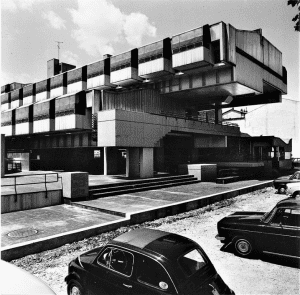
(30, 225)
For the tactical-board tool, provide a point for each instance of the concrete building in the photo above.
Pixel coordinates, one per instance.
(146, 110)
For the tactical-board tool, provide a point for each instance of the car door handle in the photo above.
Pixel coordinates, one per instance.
(127, 286)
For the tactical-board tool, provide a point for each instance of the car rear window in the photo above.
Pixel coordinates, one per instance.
(191, 262)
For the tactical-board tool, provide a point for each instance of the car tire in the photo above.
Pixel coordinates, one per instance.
(281, 190)
(296, 194)
(243, 247)
(75, 288)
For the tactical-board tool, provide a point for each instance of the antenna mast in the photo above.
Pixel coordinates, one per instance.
(58, 47)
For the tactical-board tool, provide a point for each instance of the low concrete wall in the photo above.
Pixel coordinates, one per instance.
(203, 172)
(27, 248)
(32, 200)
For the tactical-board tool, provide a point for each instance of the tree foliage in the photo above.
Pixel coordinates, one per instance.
(296, 18)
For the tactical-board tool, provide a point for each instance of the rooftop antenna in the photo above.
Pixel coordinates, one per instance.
(58, 47)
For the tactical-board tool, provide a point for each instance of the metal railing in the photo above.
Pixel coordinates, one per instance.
(44, 181)
(197, 118)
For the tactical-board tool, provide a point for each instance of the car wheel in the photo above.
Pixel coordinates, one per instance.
(74, 288)
(243, 247)
(296, 194)
(281, 190)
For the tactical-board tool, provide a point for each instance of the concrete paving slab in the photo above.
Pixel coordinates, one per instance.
(48, 221)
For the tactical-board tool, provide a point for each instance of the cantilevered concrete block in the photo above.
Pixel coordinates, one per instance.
(75, 185)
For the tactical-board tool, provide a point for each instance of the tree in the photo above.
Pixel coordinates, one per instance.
(296, 18)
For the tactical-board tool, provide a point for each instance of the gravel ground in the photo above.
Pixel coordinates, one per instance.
(244, 276)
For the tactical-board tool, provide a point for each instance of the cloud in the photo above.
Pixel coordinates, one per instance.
(55, 20)
(14, 5)
(136, 26)
(101, 25)
(69, 57)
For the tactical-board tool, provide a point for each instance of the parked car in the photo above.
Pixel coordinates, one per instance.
(17, 281)
(281, 182)
(293, 189)
(145, 261)
(276, 232)
(296, 163)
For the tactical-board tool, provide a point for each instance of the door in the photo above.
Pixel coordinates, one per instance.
(112, 272)
(151, 277)
(281, 235)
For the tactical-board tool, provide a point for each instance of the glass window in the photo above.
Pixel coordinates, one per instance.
(277, 217)
(192, 262)
(117, 260)
(152, 273)
(291, 217)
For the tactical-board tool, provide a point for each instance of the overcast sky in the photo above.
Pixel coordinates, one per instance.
(91, 28)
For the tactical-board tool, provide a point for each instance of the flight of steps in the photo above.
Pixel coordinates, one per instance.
(106, 190)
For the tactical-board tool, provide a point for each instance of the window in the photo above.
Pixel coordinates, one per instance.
(117, 260)
(192, 262)
(277, 217)
(152, 273)
(291, 217)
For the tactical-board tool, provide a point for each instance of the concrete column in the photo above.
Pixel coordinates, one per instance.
(105, 160)
(133, 162)
(218, 118)
(110, 158)
(146, 162)
(2, 155)
(159, 159)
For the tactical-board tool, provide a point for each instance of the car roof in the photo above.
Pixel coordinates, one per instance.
(15, 280)
(163, 243)
(289, 202)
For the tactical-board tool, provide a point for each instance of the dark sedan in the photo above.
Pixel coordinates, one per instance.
(145, 261)
(276, 232)
(281, 182)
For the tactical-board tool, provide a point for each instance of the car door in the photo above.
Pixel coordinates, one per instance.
(151, 277)
(291, 232)
(112, 272)
(278, 236)
(270, 237)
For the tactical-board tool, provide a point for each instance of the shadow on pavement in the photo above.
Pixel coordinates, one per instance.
(283, 261)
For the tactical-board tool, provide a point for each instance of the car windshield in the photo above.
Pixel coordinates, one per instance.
(191, 262)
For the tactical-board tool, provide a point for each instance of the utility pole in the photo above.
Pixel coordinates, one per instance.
(58, 47)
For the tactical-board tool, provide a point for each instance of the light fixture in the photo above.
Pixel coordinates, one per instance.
(119, 87)
(178, 73)
(146, 80)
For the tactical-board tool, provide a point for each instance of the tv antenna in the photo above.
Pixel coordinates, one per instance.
(58, 47)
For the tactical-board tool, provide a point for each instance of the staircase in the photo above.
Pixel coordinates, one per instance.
(106, 190)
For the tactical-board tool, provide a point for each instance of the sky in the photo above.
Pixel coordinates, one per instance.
(91, 28)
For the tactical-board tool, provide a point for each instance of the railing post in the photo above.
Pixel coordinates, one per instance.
(16, 195)
(46, 186)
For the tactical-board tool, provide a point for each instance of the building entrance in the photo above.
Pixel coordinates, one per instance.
(177, 150)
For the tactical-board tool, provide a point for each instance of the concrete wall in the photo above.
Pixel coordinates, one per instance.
(2, 155)
(11, 203)
(134, 129)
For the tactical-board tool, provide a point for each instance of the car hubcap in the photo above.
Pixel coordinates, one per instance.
(75, 291)
(243, 246)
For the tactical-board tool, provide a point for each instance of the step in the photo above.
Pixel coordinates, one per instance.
(227, 179)
(142, 188)
(138, 181)
(122, 186)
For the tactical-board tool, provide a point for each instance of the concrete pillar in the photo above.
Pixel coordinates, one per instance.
(218, 118)
(2, 155)
(133, 162)
(105, 160)
(159, 159)
(110, 158)
(146, 162)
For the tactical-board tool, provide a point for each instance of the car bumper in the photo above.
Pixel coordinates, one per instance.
(222, 239)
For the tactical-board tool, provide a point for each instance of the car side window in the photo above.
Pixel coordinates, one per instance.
(151, 273)
(291, 217)
(117, 260)
(277, 218)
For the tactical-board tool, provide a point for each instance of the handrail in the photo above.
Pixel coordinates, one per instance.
(44, 181)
